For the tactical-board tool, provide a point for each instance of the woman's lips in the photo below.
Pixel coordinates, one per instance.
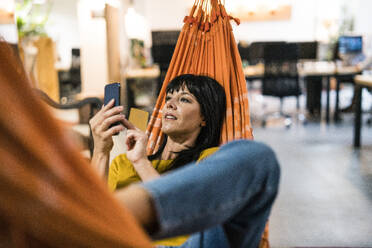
(170, 117)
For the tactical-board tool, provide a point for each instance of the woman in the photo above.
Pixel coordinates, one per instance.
(51, 197)
(191, 121)
(192, 118)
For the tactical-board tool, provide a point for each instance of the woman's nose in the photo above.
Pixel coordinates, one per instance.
(170, 104)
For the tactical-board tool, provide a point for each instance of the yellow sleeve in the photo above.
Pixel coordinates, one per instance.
(207, 152)
(121, 173)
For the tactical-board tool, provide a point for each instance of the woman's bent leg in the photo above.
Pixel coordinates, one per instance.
(235, 187)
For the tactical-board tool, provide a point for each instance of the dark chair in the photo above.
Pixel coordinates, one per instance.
(163, 45)
(307, 50)
(94, 104)
(70, 81)
(256, 50)
(280, 77)
(243, 48)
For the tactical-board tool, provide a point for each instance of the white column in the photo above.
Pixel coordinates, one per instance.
(92, 29)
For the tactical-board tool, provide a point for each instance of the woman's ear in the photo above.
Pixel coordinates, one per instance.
(203, 123)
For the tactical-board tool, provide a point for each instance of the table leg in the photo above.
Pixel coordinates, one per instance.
(358, 116)
(327, 104)
(336, 116)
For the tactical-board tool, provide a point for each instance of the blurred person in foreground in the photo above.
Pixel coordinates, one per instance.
(51, 197)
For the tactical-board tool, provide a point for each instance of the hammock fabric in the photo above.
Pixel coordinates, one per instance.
(49, 195)
(206, 46)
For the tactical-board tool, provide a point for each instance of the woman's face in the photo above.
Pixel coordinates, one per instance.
(181, 116)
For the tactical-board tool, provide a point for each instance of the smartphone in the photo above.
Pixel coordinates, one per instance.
(112, 91)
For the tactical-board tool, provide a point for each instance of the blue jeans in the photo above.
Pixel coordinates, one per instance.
(224, 201)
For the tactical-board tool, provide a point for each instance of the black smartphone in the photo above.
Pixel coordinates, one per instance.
(112, 91)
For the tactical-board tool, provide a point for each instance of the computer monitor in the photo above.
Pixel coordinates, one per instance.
(307, 50)
(350, 44)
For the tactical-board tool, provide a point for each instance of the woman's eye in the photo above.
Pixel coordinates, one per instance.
(185, 100)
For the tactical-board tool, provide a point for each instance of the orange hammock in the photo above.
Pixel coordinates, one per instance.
(207, 46)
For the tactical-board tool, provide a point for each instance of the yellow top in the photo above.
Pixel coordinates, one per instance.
(122, 173)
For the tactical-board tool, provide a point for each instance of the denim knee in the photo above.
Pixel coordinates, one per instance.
(259, 156)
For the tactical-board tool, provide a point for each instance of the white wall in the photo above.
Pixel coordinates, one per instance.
(306, 22)
(93, 51)
(301, 26)
(363, 24)
(62, 26)
(8, 31)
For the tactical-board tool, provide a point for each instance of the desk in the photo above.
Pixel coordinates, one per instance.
(343, 73)
(361, 81)
(309, 69)
(253, 72)
(319, 69)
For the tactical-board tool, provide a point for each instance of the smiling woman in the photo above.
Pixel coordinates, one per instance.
(181, 117)
(199, 104)
(192, 119)
(195, 198)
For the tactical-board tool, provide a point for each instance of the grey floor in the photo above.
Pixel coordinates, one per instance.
(325, 196)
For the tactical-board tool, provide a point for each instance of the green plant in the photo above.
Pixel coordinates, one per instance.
(32, 17)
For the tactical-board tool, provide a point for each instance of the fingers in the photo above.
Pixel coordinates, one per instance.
(111, 131)
(136, 133)
(108, 105)
(111, 120)
(105, 113)
(128, 125)
(111, 112)
(134, 136)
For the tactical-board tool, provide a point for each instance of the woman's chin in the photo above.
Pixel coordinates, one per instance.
(169, 131)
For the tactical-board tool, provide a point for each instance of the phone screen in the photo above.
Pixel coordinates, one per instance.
(112, 91)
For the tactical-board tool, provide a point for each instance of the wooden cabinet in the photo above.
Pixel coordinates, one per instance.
(40, 64)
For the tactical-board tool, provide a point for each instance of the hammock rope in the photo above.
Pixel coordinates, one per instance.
(207, 46)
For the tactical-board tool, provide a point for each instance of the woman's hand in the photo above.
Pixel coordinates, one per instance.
(101, 130)
(136, 144)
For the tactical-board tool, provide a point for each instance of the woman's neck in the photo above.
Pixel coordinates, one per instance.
(176, 145)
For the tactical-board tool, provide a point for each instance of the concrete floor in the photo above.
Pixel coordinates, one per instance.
(325, 196)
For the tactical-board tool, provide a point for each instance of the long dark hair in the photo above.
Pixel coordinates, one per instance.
(212, 99)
